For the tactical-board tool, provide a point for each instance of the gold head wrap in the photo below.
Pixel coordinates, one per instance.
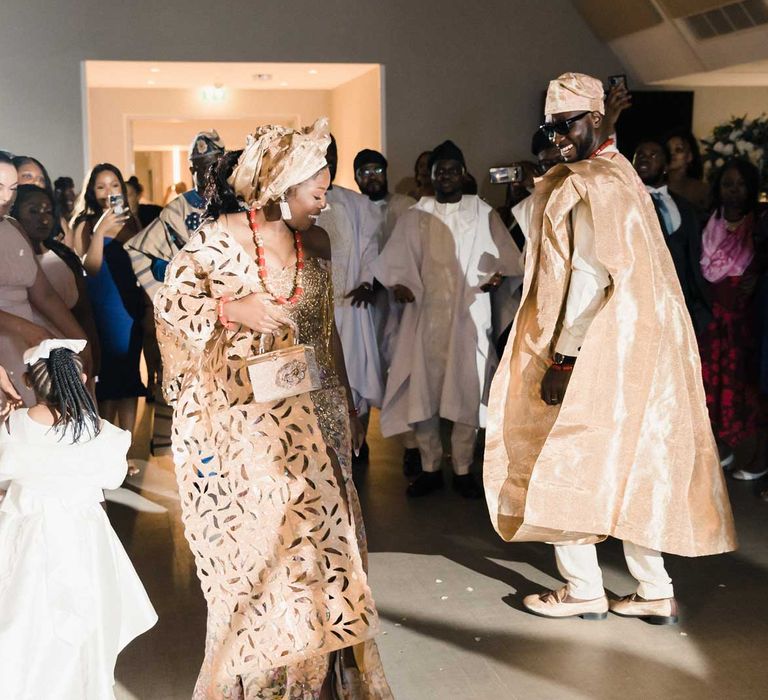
(277, 158)
(574, 92)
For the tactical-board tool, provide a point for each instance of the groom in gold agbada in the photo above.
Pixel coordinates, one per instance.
(597, 420)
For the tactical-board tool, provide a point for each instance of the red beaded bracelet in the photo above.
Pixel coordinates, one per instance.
(562, 368)
(223, 320)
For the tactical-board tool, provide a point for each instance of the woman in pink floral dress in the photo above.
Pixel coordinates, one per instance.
(733, 259)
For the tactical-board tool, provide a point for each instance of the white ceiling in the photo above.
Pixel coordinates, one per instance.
(745, 75)
(241, 76)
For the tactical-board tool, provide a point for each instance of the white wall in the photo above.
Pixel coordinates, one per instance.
(473, 72)
(715, 105)
(356, 122)
(668, 51)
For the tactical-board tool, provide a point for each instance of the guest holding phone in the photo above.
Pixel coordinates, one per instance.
(102, 226)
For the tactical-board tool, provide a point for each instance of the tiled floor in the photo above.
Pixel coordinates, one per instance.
(449, 594)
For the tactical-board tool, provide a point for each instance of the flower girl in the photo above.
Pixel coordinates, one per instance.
(70, 599)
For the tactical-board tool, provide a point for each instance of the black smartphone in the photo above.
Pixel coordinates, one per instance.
(614, 80)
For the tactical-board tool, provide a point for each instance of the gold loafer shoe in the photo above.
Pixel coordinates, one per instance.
(558, 604)
(655, 612)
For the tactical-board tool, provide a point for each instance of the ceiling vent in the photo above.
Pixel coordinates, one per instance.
(728, 19)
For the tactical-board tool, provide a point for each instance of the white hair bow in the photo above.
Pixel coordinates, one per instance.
(43, 351)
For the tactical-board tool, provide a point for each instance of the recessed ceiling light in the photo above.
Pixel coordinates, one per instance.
(154, 69)
(217, 93)
(313, 71)
(150, 82)
(262, 76)
(284, 84)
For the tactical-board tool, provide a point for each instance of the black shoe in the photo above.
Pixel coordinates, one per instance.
(467, 486)
(362, 458)
(424, 484)
(412, 461)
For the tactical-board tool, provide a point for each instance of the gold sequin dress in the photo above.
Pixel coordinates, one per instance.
(315, 321)
(270, 528)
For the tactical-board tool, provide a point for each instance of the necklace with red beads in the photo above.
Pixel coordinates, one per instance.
(261, 262)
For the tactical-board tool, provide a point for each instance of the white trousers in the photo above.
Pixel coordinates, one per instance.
(577, 564)
(463, 439)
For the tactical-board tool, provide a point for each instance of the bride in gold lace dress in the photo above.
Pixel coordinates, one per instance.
(268, 503)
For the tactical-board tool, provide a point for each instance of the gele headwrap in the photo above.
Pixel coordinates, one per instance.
(277, 158)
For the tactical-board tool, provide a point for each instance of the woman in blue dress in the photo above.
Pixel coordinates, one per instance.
(100, 231)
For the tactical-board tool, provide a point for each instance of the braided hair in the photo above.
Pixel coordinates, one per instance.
(218, 193)
(57, 382)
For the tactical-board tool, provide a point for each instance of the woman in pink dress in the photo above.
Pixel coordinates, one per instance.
(733, 259)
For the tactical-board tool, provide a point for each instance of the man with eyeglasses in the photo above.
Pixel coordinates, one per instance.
(444, 256)
(352, 223)
(371, 178)
(598, 424)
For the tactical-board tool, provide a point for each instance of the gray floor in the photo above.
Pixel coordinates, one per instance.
(449, 592)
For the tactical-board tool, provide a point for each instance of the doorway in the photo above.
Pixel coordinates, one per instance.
(143, 115)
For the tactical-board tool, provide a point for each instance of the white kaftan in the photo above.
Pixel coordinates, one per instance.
(71, 600)
(351, 221)
(387, 311)
(443, 357)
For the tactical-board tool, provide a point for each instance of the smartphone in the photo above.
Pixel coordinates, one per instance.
(614, 80)
(507, 174)
(117, 203)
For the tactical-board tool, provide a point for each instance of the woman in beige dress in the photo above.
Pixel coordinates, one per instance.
(30, 309)
(266, 503)
(35, 211)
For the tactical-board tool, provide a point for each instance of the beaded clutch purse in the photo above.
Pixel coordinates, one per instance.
(280, 374)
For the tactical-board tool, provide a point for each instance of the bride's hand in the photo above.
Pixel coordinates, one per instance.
(257, 312)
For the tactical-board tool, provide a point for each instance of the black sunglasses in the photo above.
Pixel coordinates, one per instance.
(562, 127)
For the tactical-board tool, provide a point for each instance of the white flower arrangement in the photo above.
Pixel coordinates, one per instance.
(738, 138)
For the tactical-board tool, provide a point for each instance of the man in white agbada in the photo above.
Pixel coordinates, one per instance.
(352, 223)
(371, 177)
(444, 256)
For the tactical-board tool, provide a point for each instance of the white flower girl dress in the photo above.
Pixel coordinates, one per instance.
(70, 598)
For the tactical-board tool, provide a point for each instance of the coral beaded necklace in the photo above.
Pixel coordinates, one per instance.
(298, 289)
